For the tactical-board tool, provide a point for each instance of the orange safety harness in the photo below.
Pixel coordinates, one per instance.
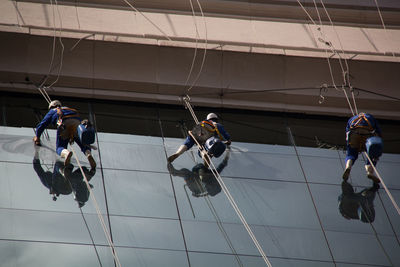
(213, 129)
(357, 140)
(355, 123)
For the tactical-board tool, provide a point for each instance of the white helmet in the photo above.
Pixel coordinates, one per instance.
(54, 103)
(211, 116)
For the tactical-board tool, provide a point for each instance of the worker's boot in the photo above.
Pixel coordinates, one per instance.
(346, 172)
(179, 152)
(371, 175)
(90, 158)
(67, 155)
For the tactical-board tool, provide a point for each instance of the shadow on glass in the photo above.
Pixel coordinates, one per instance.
(200, 180)
(358, 205)
(64, 180)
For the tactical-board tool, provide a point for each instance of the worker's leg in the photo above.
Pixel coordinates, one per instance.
(370, 171)
(351, 157)
(61, 149)
(87, 151)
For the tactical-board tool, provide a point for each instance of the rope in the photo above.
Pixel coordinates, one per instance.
(107, 234)
(383, 183)
(149, 20)
(197, 41)
(383, 25)
(333, 50)
(221, 227)
(226, 191)
(53, 49)
(205, 48)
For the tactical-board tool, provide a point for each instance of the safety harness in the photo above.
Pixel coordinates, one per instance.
(212, 129)
(360, 128)
(62, 117)
(357, 123)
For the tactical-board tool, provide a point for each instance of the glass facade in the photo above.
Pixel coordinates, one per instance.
(177, 215)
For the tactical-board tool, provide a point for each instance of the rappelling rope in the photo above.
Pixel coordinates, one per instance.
(383, 183)
(107, 234)
(225, 189)
(205, 46)
(149, 20)
(353, 111)
(103, 224)
(333, 50)
(383, 25)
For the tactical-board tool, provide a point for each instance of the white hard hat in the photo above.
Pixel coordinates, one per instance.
(211, 116)
(54, 103)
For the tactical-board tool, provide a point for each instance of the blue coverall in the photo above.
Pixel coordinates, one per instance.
(52, 118)
(352, 153)
(189, 142)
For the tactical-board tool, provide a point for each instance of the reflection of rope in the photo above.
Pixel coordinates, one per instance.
(233, 203)
(107, 234)
(173, 190)
(390, 221)
(225, 189)
(377, 236)
(309, 191)
(91, 237)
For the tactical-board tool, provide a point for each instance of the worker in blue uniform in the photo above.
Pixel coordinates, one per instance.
(363, 134)
(70, 128)
(209, 133)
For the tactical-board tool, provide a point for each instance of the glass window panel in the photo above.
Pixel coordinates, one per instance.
(19, 253)
(49, 226)
(326, 200)
(390, 209)
(322, 169)
(136, 155)
(277, 242)
(261, 202)
(138, 193)
(217, 260)
(147, 232)
(250, 165)
(35, 181)
(151, 257)
(363, 248)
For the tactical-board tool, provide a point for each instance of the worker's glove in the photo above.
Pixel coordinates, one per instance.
(228, 142)
(36, 140)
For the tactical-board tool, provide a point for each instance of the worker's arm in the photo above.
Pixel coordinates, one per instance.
(224, 133)
(42, 126)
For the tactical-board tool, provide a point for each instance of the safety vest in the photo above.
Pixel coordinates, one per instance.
(212, 128)
(356, 123)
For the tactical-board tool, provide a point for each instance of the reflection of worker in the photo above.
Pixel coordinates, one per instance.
(363, 134)
(54, 181)
(209, 133)
(200, 180)
(358, 206)
(63, 180)
(70, 127)
(75, 177)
